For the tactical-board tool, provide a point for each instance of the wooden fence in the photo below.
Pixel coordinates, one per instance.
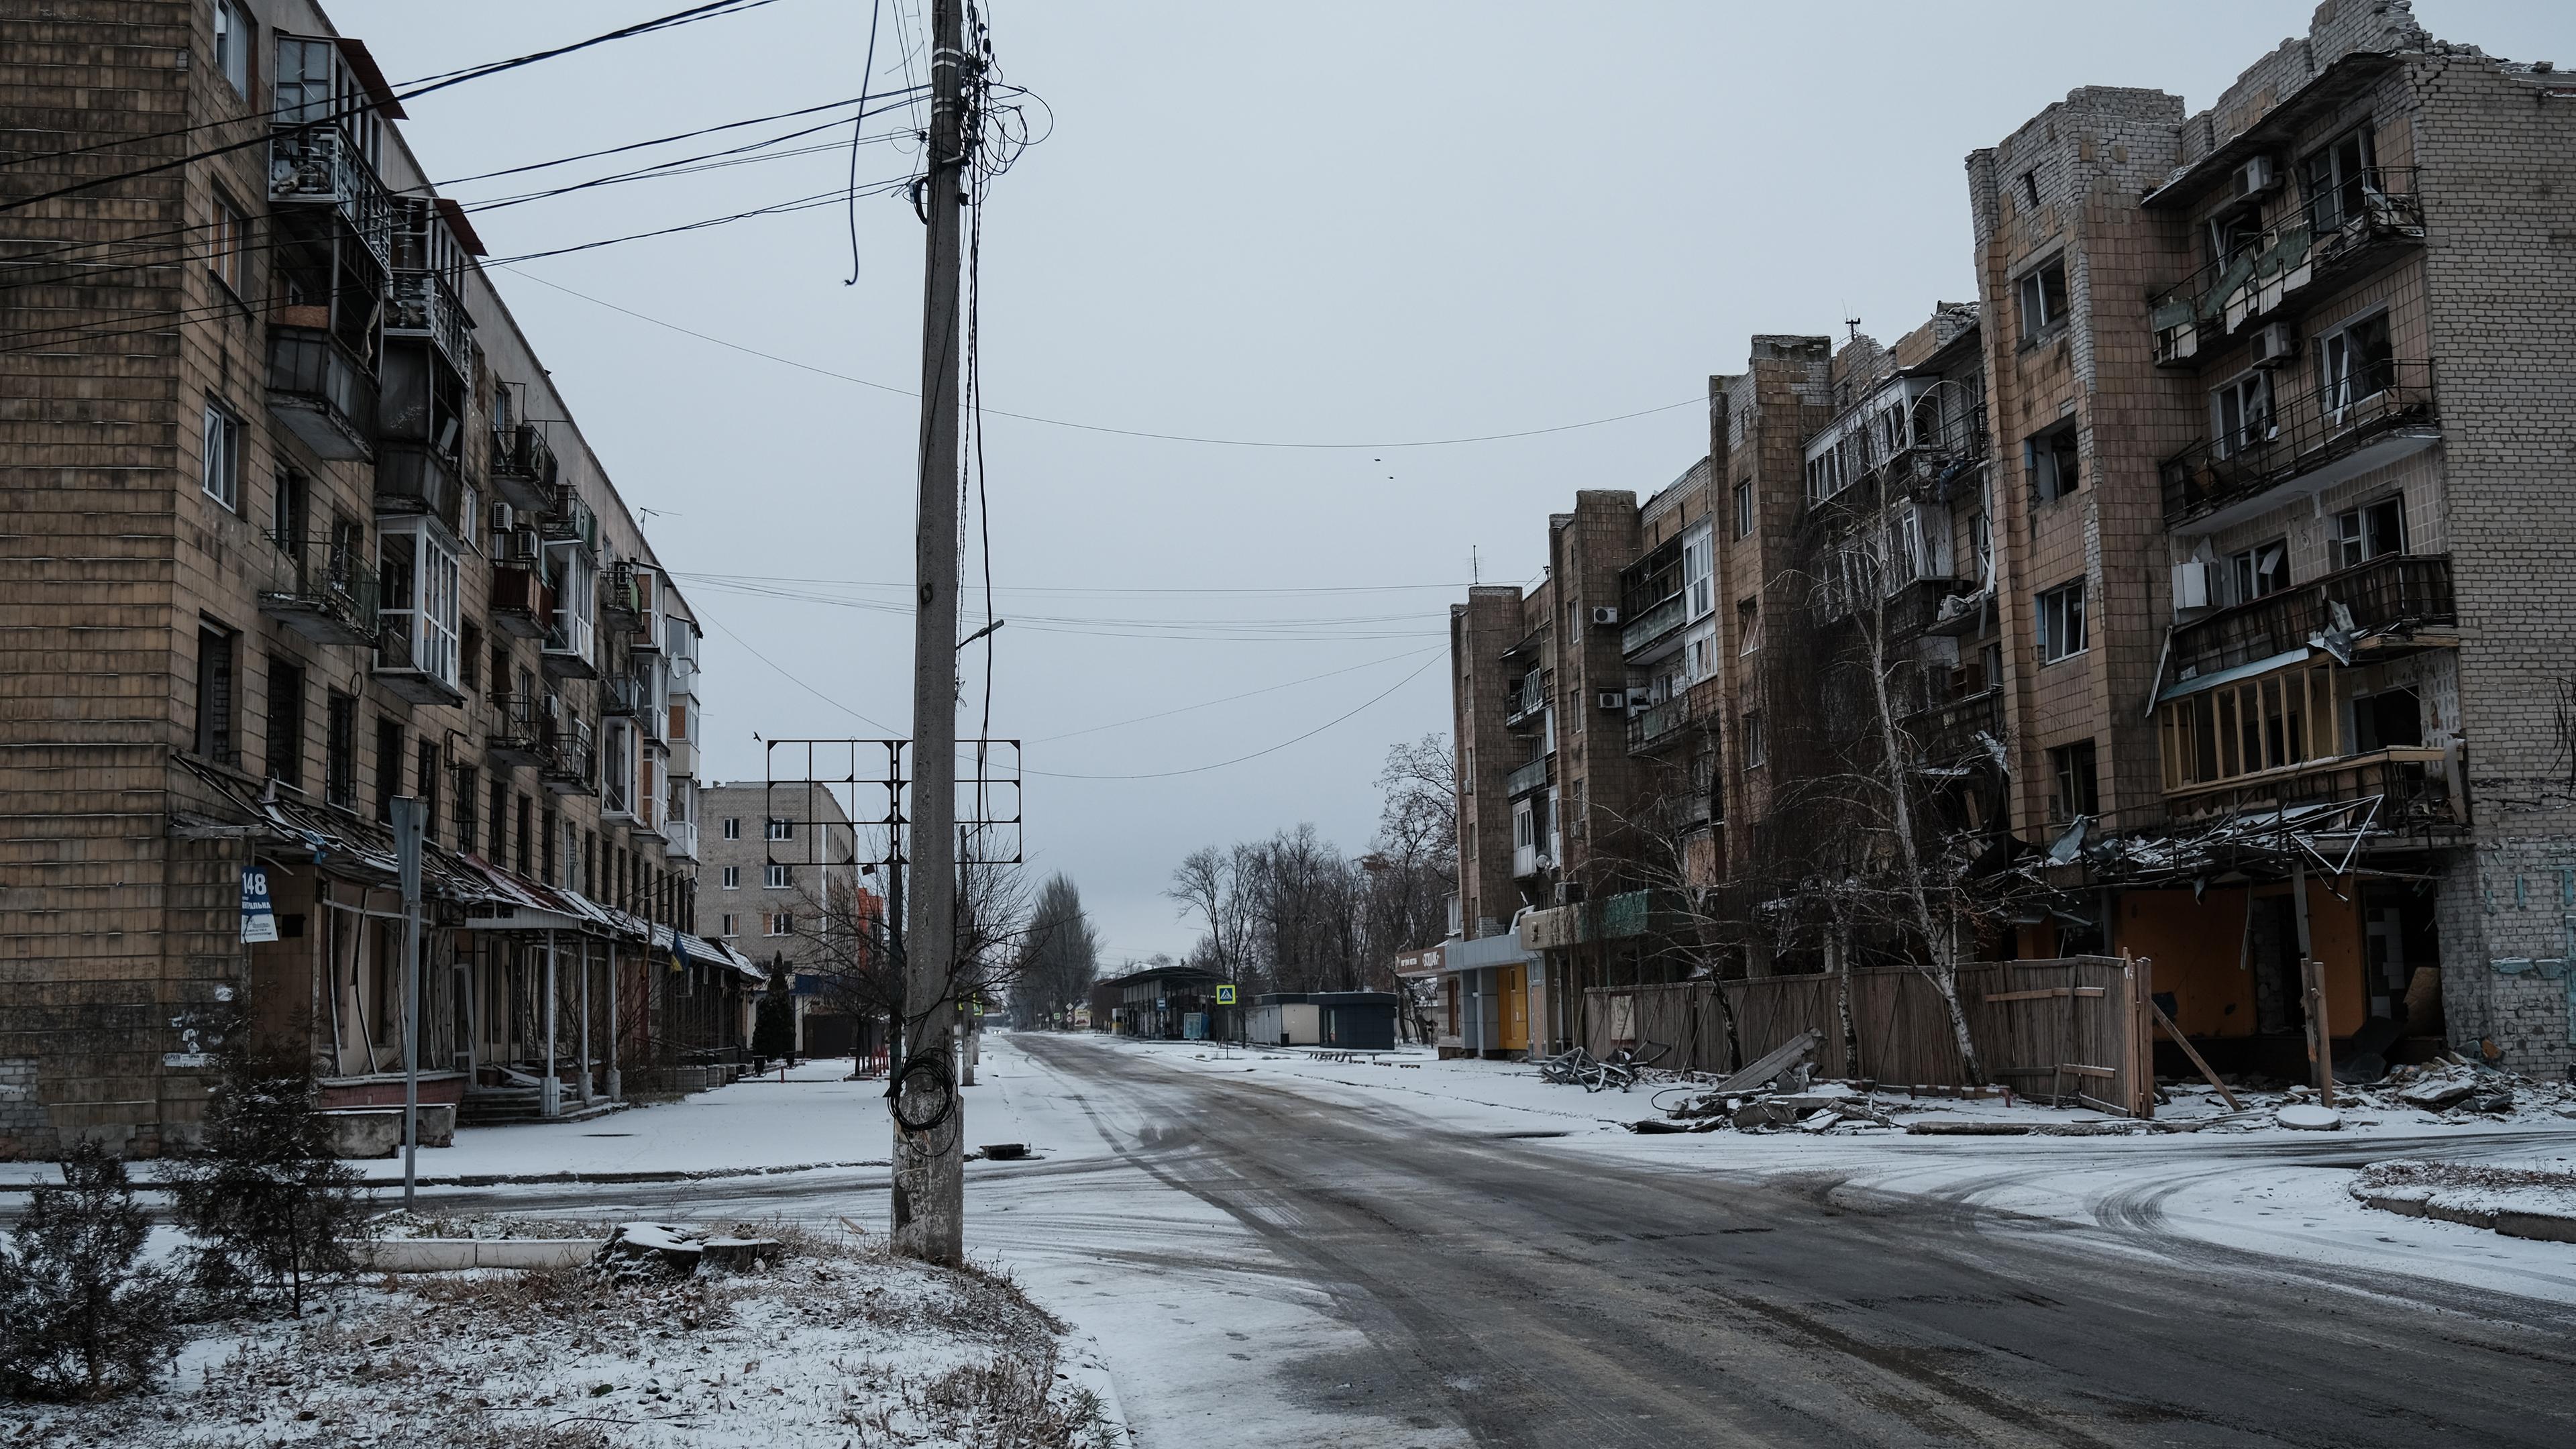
(2071, 1029)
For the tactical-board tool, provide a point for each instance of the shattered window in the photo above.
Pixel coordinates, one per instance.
(2061, 622)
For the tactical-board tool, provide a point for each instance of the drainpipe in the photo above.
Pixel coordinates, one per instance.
(585, 1021)
(616, 1089)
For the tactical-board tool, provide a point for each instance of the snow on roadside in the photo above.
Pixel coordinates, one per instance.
(2542, 1188)
(840, 1342)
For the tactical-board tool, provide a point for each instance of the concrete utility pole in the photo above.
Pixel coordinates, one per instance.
(409, 827)
(929, 1198)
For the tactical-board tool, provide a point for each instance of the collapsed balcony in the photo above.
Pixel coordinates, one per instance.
(2371, 609)
(2338, 234)
(2301, 445)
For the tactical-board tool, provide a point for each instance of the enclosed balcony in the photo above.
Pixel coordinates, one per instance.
(621, 696)
(408, 664)
(323, 165)
(2286, 448)
(568, 519)
(523, 467)
(2374, 609)
(321, 589)
(2409, 788)
(680, 839)
(1525, 701)
(419, 478)
(2341, 233)
(321, 391)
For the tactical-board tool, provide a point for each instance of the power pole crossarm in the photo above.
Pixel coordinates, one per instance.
(929, 1197)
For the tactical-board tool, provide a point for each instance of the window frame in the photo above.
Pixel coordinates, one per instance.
(2064, 781)
(775, 876)
(1757, 746)
(228, 244)
(2337, 372)
(2247, 577)
(2032, 294)
(2052, 620)
(2355, 539)
(236, 34)
(2238, 408)
(777, 827)
(731, 878)
(1744, 508)
(432, 611)
(219, 461)
(2054, 472)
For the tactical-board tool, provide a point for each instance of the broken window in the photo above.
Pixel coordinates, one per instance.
(2042, 296)
(1756, 749)
(2341, 177)
(2073, 788)
(1748, 626)
(2371, 531)
(219, 462)
(224, 244)
(285, 723)
(216, 660)
(2235, 232)
(2241, 414)
(2355, 363)
(2262, 569)
(2061, 622)
(2271, 723)
(2054, 462)
(2390, 719)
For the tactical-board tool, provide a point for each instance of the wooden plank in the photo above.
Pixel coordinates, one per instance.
(2192, 1052)
(2047, 993)
(2103, 1073)
(1773, 1063)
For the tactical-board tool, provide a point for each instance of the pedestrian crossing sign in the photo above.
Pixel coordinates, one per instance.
(1225, 996)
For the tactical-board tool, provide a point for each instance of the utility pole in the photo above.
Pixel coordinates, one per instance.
(929, 1197)
(409, 826)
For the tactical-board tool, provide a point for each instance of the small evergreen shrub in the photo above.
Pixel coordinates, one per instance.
(81, 1316)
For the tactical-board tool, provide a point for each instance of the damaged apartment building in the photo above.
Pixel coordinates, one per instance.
(2209, 564)
(299, 526)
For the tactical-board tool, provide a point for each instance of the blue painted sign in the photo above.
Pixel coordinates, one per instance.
(258, 920)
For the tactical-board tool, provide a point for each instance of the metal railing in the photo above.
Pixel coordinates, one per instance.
(1660, 721)
(2280, 262)
(1948, 730)
(568, 518)
(2388, 592)
(568, 759)
(2299, 434)
(422, 304)
(1524, 700)
(2413, 783)
(322, 588)
(1652, 626)
(621, 695)
(1528, 777)
(322, 165)
(521, 456)
(517, 733)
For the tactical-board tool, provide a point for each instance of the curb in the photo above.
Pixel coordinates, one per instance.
(510, 1179)
(2540, 1227)
(449, 1255)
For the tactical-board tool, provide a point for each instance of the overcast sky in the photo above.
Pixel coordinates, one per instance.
(1315, 223)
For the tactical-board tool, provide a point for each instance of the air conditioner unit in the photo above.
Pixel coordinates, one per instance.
(2256, 175)
(2272, 344)
(1605, 616)
(1613, 699)
(2191, 585)
(504, 518)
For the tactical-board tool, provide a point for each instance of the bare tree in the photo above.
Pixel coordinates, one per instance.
(1059, 958)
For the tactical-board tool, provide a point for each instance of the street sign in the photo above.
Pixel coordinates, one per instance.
(258, 919)
(1225, 996)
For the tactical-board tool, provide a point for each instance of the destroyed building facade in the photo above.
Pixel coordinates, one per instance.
(2206, 560)
(300, 526)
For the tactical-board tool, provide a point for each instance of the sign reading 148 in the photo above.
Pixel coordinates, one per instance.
(258, 920)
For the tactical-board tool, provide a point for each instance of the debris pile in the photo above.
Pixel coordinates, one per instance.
(660, 1250)
(2522, 1202)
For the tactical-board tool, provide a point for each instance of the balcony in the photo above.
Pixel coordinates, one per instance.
(518, 729)
(621, 599)
(567, 760)
(570, 650)
(2387, 599)
(1948, 732)
(321, 392)
(684, 751)
(521, 603)
(2411, 782)
(1532, 776)
(399, 670)
(1528, 861)
(621, 696)
(680, 840)
(1525, 701)
(2337, 235)
(523, 467)
(417, 478)
(321, 165)
(322, 591)
(1652, 627)
(2307, 443)
(567, 519)
(1661, 723)
(422, 304)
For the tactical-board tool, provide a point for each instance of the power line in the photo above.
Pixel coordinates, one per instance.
(1256, 754)
(1229, 699)
(888, 730)
(1097, 427)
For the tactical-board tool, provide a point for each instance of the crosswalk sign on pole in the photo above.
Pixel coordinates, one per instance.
(1225, 996)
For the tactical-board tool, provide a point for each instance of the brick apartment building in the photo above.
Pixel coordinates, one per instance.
(297, 524)
(780, 882)
(2209, 557)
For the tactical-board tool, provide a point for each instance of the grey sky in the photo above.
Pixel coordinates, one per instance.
(1318, 222)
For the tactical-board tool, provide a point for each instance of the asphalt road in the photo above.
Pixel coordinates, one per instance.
(1527, 1296)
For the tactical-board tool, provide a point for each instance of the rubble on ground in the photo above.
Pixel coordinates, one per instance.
(2523, 1202)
